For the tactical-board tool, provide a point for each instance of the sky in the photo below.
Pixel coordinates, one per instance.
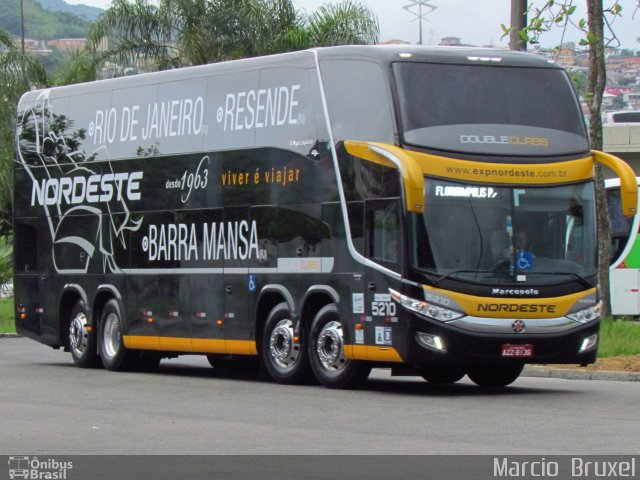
(475, 22)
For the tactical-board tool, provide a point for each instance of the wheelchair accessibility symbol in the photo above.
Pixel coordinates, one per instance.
(252, 283)
(524, 260)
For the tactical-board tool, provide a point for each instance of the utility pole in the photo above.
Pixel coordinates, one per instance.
(518, 22)
(22, 23)
(420, 15)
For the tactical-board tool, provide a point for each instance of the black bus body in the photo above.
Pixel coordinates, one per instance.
(325, 211)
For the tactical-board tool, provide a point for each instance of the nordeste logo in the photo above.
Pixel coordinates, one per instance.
(92, 189)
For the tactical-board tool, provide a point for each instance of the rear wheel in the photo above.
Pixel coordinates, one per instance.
(82, 338)
(499, 375)
(326, 352)
(440, 374)
(285, 356)
(113, 353)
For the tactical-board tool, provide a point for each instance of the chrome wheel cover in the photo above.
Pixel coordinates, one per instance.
(283, 348)
(79, 334)
(111, 336)
(329, 347)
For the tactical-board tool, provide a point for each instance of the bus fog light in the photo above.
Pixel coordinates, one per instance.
(432, 342)
(588, 343)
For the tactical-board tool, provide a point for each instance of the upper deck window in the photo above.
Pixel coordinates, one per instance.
(489, 109)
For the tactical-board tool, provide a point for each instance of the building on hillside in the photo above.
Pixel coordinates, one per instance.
(35, 47)
(566, 55)
(68, 44)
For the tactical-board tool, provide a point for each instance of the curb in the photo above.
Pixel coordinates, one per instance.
(582, 374)
(10, 335)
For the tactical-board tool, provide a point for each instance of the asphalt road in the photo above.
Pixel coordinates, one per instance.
(48, 406)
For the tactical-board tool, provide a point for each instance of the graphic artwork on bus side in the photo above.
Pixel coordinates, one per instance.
(71, 185)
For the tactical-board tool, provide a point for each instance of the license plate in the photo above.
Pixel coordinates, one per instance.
(517, 351)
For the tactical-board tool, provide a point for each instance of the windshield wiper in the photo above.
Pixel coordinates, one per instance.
(453, 272)
(579, 277)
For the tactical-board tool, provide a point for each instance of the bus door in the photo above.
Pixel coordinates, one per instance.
(382, 245)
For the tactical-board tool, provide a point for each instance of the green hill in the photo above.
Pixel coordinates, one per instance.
(84, 11)
(39, 23)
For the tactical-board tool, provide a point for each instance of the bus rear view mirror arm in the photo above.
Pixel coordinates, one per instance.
(628, 183)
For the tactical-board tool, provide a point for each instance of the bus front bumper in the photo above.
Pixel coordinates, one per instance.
(473, 341)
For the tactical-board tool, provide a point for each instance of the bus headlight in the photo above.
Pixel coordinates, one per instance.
(587, 315)
(423, 308)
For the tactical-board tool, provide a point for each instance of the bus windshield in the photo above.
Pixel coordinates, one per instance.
(492, 109)
(534, 235)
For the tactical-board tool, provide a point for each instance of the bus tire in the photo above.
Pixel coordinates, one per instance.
(499, 375)
(82, 338)
(326, 352)
(285, 355)
(113, 353)
(440, 374)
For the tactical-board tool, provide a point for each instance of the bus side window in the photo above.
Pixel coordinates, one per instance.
(383, 242)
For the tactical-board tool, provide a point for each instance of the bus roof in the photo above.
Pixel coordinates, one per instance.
(377, 53)
(437, 54)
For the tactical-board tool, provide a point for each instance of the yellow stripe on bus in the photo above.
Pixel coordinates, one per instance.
(372, 353)
(193, 345)
(507, 307)
(416, 164)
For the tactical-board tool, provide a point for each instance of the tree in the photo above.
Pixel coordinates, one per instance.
(77, 67)
(6, 259)
(346, 23)
(18, 73)
(195, 32)
(598, 35)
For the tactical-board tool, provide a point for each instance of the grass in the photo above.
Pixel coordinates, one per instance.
(6, 316)
(617, 337)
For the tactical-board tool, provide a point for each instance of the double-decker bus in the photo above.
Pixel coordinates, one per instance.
(326, 211)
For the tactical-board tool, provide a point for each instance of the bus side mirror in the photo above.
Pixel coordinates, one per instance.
(391, 155)
(628, 183)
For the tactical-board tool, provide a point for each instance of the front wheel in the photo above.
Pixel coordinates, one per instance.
(285, 356)
(326, 352)
(113, 353)
(499, 375)
(82, 338)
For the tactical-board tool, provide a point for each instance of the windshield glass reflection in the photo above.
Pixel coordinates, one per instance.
(536, 235)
